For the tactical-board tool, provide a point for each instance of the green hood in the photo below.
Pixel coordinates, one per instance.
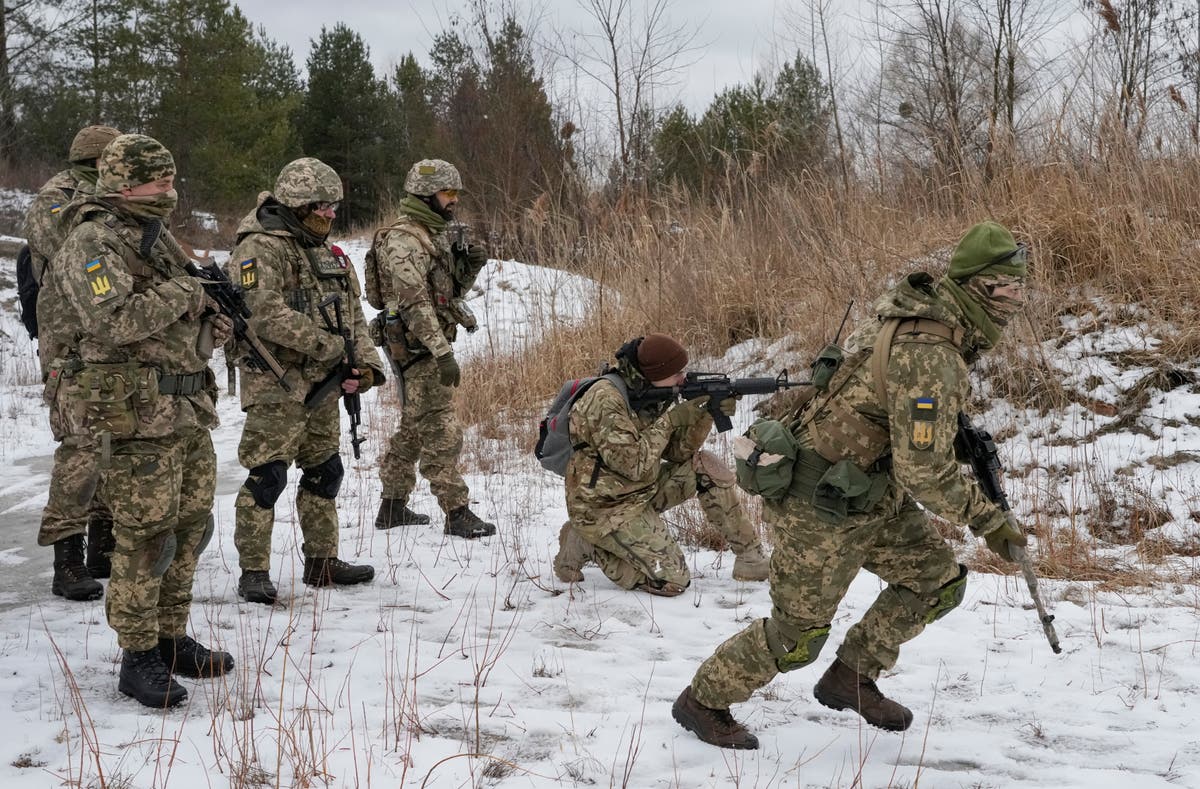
(920, 296)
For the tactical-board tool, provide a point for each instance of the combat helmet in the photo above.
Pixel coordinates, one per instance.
(90, 142)
(132, 160)
(305, 181)
(430, 176)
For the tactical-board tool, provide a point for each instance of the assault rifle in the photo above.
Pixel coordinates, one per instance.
(344, 370)
(977, 445)
(230, 301)
(718, 387)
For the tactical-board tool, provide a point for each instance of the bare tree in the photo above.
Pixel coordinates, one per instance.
(630, 56)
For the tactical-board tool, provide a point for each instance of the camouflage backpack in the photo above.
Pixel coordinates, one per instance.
(554, 447)
(378, 288)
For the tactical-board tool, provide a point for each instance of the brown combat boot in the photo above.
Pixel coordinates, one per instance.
(660, 588)
(842, 688)
(752, 564)
(715, 727)
(573, 554)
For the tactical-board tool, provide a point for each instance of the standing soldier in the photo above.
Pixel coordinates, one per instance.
(286, 269)
(421, 278)
(144, 399)
(633, 461)
(71, 507)
(879, 441)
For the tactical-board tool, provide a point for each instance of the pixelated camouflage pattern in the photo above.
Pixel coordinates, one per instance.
(90, 142)
(815, 561)
(647, 467)
(47, 223)
(283, 300)
(430, 176)
(132, 160)
(134, 312)
(161, 492)
(418, 272)
(287, 432)
(305, 181)
(74, 478)
(429, 434)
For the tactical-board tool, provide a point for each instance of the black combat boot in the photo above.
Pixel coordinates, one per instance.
(323, 572)
(71, 578)
(144, 676)
(395, 512)
(185, 657)
(842, 688)
(715, 727)
(464, 523)
(255, 587)
(100, 544)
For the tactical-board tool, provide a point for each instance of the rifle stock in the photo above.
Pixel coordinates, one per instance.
(980, 449)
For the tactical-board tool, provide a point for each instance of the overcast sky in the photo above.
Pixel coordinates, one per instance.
(734, 39)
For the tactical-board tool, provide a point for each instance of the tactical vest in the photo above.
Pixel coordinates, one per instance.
(313, 274)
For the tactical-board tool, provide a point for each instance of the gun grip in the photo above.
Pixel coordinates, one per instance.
(722, 421)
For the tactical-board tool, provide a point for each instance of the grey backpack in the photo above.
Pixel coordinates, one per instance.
(554, 446)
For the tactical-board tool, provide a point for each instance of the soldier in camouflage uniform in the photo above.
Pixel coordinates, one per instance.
(142, 397)
(286, 268)
(633, 462)
(71, 507)
(878, 441)
(421, 277)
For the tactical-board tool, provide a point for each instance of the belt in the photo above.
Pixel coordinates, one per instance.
(188, 384)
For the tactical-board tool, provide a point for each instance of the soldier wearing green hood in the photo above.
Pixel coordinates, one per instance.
(876, 450)
(420, 275)
(143, 398)
(68, 514)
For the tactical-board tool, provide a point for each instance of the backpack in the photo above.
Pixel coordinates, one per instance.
(554, 448)
(27, 291)
(377, 288)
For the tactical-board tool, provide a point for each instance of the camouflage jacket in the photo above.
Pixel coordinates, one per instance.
(619, 453)
(927, 386)
(47, 224)
(130, 314)
(283, 283)
(425, 282)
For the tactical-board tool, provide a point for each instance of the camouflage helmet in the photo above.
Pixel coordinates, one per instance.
(430, 176)
(132, 160)
(305, 181)
(90, 142)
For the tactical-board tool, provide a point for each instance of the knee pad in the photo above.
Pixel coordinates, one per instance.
(792, 648)
(166, 555)
(324, 479)
(949, 596)
(711, 472)
(266, 483)
(210, 526)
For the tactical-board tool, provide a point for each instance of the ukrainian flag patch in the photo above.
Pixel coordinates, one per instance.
(54, 209)
(98, 281)
(94, 266)
(249, 269)
(924, 409)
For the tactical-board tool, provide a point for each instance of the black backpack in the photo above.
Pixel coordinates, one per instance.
(27, 291)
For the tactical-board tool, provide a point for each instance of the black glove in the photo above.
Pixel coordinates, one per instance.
(449, 373)
(477, 256)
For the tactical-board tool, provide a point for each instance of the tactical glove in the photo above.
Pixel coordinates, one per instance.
(477, 256)
(222, 328)
(1001, 540)
(449, 373)
(728, 406)
(687, 413)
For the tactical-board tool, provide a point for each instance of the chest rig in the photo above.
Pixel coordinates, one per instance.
(316, 272)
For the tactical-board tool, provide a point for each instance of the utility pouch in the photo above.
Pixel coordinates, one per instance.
(845, 489)
(60, 371)
(765, 457)
(825, 365)
(375, 328)
(108, 395)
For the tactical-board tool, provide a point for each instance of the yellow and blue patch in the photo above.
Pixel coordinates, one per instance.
(249, 270)
(98, 281)
(924, 412)
(54, 209)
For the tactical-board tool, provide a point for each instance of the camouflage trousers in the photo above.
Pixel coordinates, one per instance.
(161, 495)
(74, 478)
(812, 566)
(429, 434)
(632, 544)
(287, 432)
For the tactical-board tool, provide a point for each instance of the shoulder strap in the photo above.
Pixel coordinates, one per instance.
(882, 351)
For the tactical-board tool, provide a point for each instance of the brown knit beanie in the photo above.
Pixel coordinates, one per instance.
(660, 357)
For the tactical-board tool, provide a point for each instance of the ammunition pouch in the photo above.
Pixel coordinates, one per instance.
(765, 457)
(375, 329)
(108, 396)
(839, 490)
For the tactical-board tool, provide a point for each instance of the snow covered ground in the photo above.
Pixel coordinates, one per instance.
(469, 664)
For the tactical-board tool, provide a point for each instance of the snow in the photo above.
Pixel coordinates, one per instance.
(469, 664)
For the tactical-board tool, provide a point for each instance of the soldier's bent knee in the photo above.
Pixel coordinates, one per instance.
(793, 648)
(266, 483)
(711, 472)
(324, 479)
(949, 596)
